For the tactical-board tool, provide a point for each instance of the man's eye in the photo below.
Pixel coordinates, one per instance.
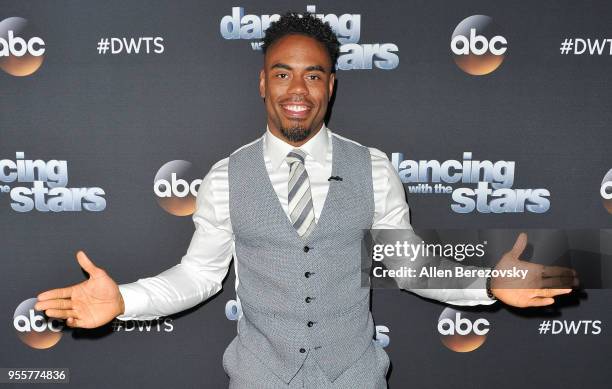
(313, 77)
(282, 75)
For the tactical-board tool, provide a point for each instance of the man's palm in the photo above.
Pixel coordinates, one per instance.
(540, 285)
(88, 304)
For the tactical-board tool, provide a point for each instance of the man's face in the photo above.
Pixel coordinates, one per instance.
(297, 83)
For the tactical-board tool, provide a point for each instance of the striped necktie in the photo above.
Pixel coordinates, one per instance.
(301, 211)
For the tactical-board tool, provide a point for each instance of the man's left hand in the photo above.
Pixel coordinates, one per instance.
(540, 285)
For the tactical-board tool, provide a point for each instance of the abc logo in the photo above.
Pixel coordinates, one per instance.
(21, 50)
(606, 191)
(477, 46)
(34, 328)
(176, 186)
(462, 331)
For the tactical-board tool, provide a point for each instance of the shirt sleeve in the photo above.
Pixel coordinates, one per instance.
(200, 273)
(392, 212)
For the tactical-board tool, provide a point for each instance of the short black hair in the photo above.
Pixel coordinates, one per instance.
(307, 24)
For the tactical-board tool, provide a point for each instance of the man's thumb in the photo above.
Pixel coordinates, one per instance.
(85, 262)
(519, 245)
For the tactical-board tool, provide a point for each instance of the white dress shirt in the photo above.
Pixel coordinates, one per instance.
(200, 272)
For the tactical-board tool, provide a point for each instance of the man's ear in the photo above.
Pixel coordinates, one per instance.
(262, 84)
(332, 80)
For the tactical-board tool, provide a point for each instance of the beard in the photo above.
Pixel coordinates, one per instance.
(295, 133)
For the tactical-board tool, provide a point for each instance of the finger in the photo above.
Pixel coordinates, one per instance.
(519, 245)
(86, 263)
(551, 292)
(60, 313)
(541, 301)
(60, 293)
(78, 323)
(558, 282)
(75, 322)
(558, 271)
(53, 304)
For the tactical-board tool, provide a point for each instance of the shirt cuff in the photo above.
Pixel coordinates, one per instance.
(135, 300)
(478, 291)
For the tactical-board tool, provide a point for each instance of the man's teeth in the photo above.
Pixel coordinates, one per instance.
(297, 108)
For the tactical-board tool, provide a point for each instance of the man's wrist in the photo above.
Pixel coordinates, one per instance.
(121, 305)
(489, 290)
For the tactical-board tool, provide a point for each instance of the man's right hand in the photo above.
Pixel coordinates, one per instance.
(88, 304)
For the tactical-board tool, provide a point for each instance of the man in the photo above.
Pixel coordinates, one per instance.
(291, 207)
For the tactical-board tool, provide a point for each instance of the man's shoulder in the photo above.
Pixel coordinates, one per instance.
(246, 146)
(376, 154)
(221, 166)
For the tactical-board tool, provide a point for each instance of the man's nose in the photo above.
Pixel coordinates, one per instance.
(298, 86)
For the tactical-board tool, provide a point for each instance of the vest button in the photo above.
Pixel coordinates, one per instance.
(307, 274)
(302, 350)
(306, 249)
(310, 324)
(308, 299)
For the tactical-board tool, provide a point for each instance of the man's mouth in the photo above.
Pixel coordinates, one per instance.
(294, 110)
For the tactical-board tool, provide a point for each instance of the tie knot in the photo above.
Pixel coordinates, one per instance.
(295, 155)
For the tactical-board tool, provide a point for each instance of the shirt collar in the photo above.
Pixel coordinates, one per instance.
(277, 149)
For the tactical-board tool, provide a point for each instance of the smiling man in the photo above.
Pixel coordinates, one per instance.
(291, 208)
(296, 92)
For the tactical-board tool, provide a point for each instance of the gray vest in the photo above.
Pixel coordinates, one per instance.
(300, 296)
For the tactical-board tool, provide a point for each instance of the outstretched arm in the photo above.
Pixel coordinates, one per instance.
(392, 212)
(198, 276)
(200, 273)
(541, 284)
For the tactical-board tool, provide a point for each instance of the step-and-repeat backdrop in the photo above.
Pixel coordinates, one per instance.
(112, 112)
